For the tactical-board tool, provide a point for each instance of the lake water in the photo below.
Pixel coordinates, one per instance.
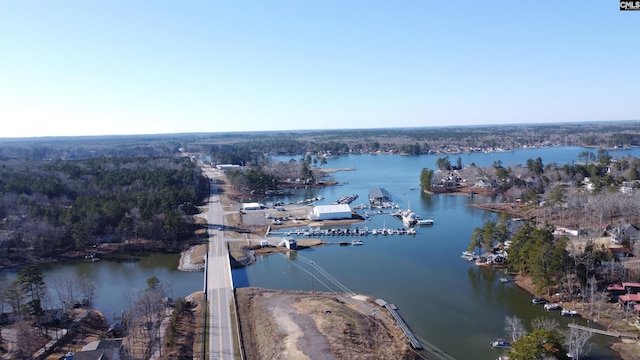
(445, 300)
(116, 277)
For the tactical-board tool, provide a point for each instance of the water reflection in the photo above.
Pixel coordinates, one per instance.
(443, 298)
(116, 275)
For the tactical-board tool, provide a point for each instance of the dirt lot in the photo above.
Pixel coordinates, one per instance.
(302, 325)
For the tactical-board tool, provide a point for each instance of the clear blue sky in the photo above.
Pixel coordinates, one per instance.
(143, 67)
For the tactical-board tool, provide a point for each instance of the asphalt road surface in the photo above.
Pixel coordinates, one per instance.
(219, 286)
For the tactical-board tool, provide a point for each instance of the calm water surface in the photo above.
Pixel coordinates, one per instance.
(116, 277)
(452, 304)
(448, 302)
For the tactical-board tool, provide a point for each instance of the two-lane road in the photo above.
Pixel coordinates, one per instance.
(219, 286)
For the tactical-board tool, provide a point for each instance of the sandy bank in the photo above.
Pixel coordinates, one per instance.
(192, 259)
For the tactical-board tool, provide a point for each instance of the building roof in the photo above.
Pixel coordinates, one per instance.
(333, 208)
(630, 230)
(252, 205)
(615, 287)
(379, 193)
(622, 287)
(100, 350)
(629, 297)
(620, 251)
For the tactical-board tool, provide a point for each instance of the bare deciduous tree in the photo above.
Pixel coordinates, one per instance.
(513, 327)
(25, 340)
(65, 290)
(545, 323)
(87, 289)
(577, 342)
(592, 293)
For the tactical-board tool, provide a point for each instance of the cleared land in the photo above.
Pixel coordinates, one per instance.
(303, 325)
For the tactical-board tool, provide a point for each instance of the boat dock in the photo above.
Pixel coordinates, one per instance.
(364, 231)
(392, 310)
(604, 332)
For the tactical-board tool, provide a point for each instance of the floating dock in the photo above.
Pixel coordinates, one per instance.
(405, 328)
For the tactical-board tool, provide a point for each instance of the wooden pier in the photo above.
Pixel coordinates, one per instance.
(604, 332)
(405, 328)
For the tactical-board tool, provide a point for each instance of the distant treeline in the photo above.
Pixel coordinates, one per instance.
(249, 147)
(252, 149)
(49, 206)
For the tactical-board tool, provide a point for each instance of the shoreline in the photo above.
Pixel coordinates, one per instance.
(188, 259)
(623, 349)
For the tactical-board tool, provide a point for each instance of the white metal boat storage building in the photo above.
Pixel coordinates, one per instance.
(331, 212)
(252, 206)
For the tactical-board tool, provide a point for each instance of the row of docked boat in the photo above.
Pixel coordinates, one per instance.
(554, 306)
(399, 231)
(329, 232)
(347, 199)
(364, 231)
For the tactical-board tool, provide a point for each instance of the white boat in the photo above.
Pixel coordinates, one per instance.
(409, 218)
(501, 344)
(425, 221)
(552, 306)
(357, 242)
(565, 312)
(411, 231)
(469, 256)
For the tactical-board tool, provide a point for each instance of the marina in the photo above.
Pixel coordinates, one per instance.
(442, 298)
(337, 232)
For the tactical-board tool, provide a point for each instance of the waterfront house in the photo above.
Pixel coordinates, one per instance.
(625, 301)
(564, 231)
(620, 252)
(629, 232)
(624, 288)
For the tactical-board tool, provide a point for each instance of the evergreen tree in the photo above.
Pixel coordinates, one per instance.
(535, 253)
(476, 240)
(425, 179)
(31, 282)
(539, 344)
